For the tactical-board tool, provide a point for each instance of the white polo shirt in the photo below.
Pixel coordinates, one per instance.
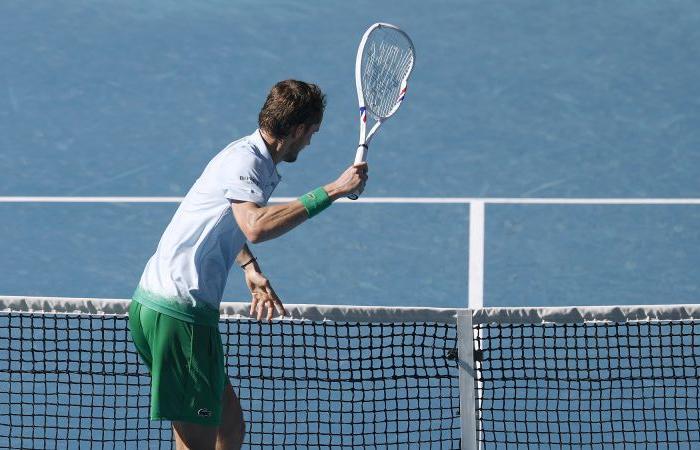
(186, 276)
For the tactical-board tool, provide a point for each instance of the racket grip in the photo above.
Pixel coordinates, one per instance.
(361, 154)
(360, 157)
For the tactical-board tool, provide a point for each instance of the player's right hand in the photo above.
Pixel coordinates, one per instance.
(352, 180)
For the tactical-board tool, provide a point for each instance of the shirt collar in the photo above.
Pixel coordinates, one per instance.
(257, 140)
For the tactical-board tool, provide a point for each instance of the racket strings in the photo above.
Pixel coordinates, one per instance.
(381, 79)
(387, 61)
(388, 67)
(390, 82)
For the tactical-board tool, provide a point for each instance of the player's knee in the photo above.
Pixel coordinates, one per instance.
(234, 422)
(242, 427)
(231, 435)
(233, 426)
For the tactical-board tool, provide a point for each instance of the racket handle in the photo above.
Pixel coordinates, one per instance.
(361, 154)
(360, 157)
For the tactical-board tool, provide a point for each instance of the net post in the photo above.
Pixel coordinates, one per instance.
(477, 220)
(467, 375)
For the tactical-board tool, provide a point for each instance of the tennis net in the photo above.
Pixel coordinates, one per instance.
(588, 378)
(362, 377)
(330, 377)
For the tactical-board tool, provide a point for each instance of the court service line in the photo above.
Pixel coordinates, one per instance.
(378, 200)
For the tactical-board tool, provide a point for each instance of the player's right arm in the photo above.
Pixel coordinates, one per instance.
(260, 224)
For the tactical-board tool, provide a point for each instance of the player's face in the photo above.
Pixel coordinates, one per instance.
(301, 142)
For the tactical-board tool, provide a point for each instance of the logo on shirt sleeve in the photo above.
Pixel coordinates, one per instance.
(250, 180)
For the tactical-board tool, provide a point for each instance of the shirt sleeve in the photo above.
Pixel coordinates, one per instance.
(243, 177)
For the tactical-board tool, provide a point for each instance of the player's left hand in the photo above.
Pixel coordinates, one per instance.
(265, 301)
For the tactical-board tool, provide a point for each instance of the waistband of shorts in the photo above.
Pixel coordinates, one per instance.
(179, 308)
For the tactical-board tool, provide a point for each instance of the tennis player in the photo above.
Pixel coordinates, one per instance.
(174, 314)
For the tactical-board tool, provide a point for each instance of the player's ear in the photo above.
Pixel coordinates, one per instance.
(299, 131)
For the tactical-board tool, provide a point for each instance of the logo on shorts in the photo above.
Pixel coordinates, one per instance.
(204, 412)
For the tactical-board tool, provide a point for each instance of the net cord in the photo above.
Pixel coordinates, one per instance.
(237, 310)
(586, 314)
(353, 313)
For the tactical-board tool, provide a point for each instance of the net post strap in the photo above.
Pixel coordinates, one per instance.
(467, 375)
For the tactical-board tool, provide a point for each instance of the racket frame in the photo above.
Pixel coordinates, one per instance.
(366, 138)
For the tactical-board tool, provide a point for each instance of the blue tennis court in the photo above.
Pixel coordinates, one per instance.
(512, 103)
(515, 99)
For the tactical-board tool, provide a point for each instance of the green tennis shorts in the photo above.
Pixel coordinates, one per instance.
(186, 362)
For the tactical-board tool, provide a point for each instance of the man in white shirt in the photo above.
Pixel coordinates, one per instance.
(174, 314)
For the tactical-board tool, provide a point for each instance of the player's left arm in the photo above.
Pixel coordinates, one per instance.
(264, 300)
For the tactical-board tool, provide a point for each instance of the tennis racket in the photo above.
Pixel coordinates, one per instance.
(384, 62)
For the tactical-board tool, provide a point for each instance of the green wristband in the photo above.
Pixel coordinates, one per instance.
(315, 201)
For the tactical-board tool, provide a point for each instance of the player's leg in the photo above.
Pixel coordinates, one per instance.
(227, 436)
(187, 377)
(192, 436)
(232, 429)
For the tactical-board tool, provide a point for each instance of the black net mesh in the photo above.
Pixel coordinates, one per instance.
(75, 381)
(589, 386)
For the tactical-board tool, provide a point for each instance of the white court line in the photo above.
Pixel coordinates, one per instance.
(382, 200)
(476, 255)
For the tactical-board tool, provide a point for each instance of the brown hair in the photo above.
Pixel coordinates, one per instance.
(291, 103)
